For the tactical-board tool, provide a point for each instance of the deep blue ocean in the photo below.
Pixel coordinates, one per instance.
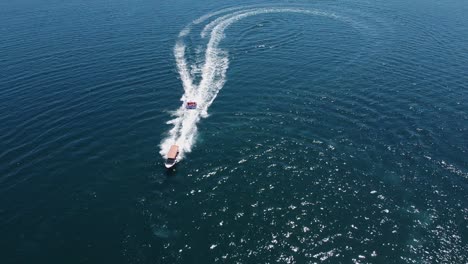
(327, 131)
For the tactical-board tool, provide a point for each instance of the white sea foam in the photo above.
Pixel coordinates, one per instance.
(212, 73)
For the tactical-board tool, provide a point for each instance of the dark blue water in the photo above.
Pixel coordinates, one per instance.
(336, 138)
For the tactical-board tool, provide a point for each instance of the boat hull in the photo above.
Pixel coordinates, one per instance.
(168, 166)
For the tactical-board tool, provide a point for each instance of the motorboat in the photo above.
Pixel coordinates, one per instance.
(171, 159)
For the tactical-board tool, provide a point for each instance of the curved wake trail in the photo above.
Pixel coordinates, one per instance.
(213, 71)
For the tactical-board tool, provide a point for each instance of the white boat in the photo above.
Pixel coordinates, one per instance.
(172, 156)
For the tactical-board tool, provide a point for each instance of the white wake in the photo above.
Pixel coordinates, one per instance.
(211, 72)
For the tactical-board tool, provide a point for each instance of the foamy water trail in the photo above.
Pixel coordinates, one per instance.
(212, 73)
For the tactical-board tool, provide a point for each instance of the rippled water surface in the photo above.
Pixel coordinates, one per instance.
(327, 132)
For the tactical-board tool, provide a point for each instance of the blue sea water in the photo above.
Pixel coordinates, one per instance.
(327, 131)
